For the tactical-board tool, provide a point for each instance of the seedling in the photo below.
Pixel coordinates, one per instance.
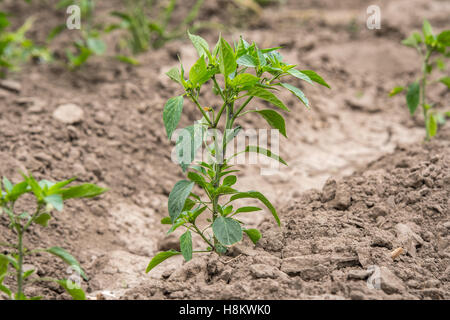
(246, 72)
(432, 50)
(48, 196)
(16, 48)
(147, 26)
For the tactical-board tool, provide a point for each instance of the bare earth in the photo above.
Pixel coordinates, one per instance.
(360, 181)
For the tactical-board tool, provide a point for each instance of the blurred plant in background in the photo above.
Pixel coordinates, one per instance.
(148, 23)
(15, 48)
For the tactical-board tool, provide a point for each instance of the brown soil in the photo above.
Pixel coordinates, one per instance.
(328, 238)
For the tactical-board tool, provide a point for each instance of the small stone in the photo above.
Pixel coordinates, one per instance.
(342, 200)
(407, 238)
(329, 190)
(263, 271)
(102, 117)
(68, 113)
(359, 274)
(378, 211)
(390, 283)
(11, 85)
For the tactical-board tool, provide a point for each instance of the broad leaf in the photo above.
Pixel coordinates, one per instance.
(395, 91)
(253, 234)
(444, 38)
(174, 74)
(247, 61)
(56, 201)
(177, 198)
(186, 245)
(172, 114)
(200, 45)
(43, 219)
(160, 257)
(230, 180)
(86, 190)
(75, 292)
(227, 230)
(412, 97)
(199, 74)
(268, 96)
(297, 92)
(299, 74)
(227, 62)
(315, 77)
(274, 119)
(446, 81)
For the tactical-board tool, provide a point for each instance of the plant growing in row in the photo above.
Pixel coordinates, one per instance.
(246, 73)
(49, 196)
(147, 25)
(432, 50)
(16, 48)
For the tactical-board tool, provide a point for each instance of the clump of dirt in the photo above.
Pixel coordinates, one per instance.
(339, 243)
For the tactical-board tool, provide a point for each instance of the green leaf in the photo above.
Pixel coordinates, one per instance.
(7, 184)
(166, 220)
(253, 234)
(96, 45)
(199, 74)
(56, 201)
(413, 40)
(160, 257)
(189, 140)
(247, 61)
(297, 92)
(315, 77)
(127, 60)
(395, 91)
(18, 190)
(432, 125)
(37, 190)
(259, 196)
(230, 180)
(299, 74)
(177, 198)
(86, 190)
(76, 292)
(265, 152)
(200, 45)
(274, 119)
(10, 259)
(244, 80)
(412, 97)
(227, 61)
(426, 29)
(444, 38)
(4, 262)
(43, 219)
(198, 179)
(227, 230)
(268, 96)
(172, 114)
(186, 245)
(247, 209)
(69, 259)
(174, 74)
(446, 81)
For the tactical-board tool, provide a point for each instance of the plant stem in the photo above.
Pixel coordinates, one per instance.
(20, 264)
(203, 236)
(423, 92)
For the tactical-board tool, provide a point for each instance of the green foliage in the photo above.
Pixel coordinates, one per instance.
(245, 72)
(15, 48)
(433, 49)
(150, 25)
(48, 196)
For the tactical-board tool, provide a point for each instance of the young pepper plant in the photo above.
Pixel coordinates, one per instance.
(48, 196)
(432, 50)
(245, 72)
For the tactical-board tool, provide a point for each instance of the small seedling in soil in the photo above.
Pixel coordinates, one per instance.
(246, 72)
(48, 196)
(147, 26)
(432, 50)
(16, 48)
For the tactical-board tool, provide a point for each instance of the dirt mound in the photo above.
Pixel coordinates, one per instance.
(337, 243)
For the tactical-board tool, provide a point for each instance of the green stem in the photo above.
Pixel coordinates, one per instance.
(203, 236)
(20, 265)
(194, 99)
(423, 92)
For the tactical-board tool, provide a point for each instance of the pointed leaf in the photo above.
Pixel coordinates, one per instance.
(261, 197)
(56, 201)
(172, 114)
(315, 77)
(274, 119)
(160, 257)
(69, 259)
(412, 97)
(297, 92)
(186, 245)
(177, 198)
(75, 292)
(265, 152)
(268, 96)
(253, 234)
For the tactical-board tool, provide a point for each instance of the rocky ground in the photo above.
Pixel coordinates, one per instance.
(381, 187)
